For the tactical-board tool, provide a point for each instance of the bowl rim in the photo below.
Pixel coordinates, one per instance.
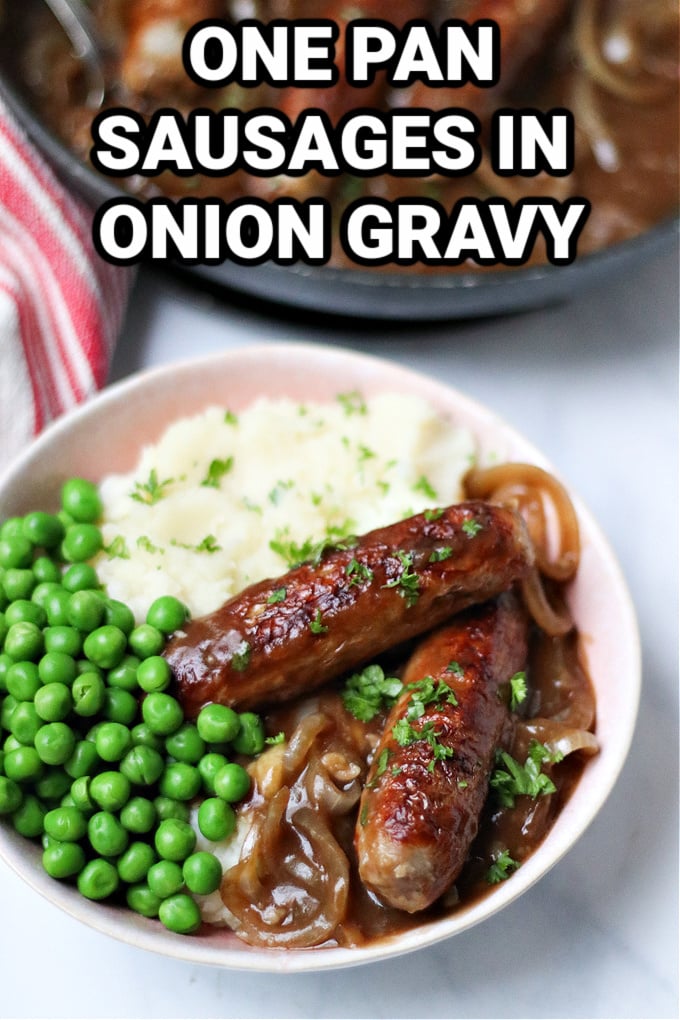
(114, 921)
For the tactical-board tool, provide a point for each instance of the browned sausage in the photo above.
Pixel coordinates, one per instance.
(284, 637)
(429, 777)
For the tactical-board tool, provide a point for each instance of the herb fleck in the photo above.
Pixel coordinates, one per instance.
(425, 486)
(216, 472)
(433, 515)
(358, 572)
(145, 543)
(151, 491)
(117, 549)
(278, 738)
(515, 780)
(455, 668)
(352, 403)
(367, 692)
(407, 583)
(316, 626)
(502, 867)
(444, 553)
(240, 659)
(278, 595)
(230, 418)
(277, 492)
(518, 690)
(471, 527)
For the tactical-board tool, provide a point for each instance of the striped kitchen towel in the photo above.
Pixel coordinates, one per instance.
(61, 305)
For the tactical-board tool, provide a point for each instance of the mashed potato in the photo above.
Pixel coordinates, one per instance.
(224, 500)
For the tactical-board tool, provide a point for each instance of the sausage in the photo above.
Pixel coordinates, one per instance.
(285, 637)
(420, 807)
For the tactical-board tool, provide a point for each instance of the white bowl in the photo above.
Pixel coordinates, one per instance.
(106, 435)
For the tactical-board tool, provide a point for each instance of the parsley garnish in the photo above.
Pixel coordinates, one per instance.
(366, 453)
(381, 767)
(278, 738)
(424, 692)
(471, 527)
(310, 551)
(352, 403)
(278, 491)
(518, 690)
(517, 780)
(152, 491)
(240, 659)
(358, 572)
(455, 668)
(502, 867)
(408, 582)
(433, 515)
(363, 817)
(118, 548)
(230, 418)
(216, 472)
(278, 595)
(208, 544)
(316, 626)
(441, 554)
(366, 693)
(145, 543)
(425, 486)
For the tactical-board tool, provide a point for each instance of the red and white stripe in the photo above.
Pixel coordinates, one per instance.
(61, 305)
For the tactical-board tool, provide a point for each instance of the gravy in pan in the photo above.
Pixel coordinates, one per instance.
(613, 63)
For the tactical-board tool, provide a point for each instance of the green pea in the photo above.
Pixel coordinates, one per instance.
(67, 801)
(55, 743)
(5, 662)
(85, 666)
(88, 694)
(180, 913)
(232, 782)
(202, 873)
(80, 792)
(174, 839)
(141, 734)
(24, 641)
(167, 614)
(142, 765)
(66, 824)
(63, 641)
(28, 818)
(98, 880)
(15, 551)
(162, 713)
(80, 577)
(134, 864)
(165, 878)
(3, 628)
(120, 706)
(19, 583)
(110, 790)
(85, 611)
(113, 741)
(105, 646)
(180, 781)
(25, 611)
(146, 640)
(56, 606)
(250, 739)
(9, 705)
(57, 667)
(142, 900)
(62, 860)
(216, 819)
(81, 542)
(10, 796)
(124, 675)
(11, 527)
(106, 834)
(119, 615)
(166, 807)
(154, 674)
(46, 570)
(11, 744)
(42, 529)
(80, 498)
(53, 702)
(42, 592)
(139, 815)
(209, 765)
(218, 723)
(23, 764)
(53, 784)
(186, 744)
(23, 680)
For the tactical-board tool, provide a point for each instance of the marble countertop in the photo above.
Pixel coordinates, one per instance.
(593, 383)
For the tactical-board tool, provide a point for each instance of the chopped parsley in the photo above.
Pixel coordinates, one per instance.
(278, 595)
(352, 403)
(433, 515)
(502, 867)
(151, 491)
(444, 553)
(216, 472)
(230, 418)
(471, 527)
(358, 572)
(366, 453)
(240, 659)
(316, 626)
(278, 738)
(408, 582)
(366, 693)
(363, 817)
(404, 734)
(381, 767)
(117, 549)
(425, 692)
(145, 543)
(208, 544)
(510, 779)
(277, 492)
(425, 486)
(518, 690)
(309, 551)
(455, 668)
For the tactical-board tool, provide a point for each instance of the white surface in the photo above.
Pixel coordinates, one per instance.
(593, 383)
